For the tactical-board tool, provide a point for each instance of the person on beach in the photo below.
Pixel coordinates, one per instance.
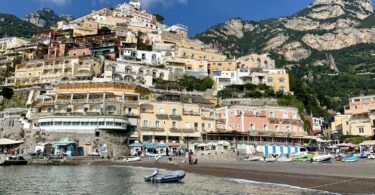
(190, 158)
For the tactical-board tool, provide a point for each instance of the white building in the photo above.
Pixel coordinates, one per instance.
(146, 57)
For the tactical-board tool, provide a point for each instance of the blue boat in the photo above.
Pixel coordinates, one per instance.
(350, 159)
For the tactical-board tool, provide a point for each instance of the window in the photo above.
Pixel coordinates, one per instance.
(265, 127)
(196, 125)
(285, 115)
(157, 124)
(101, 123)
(272, 115)
(277, 128)
(187, 125)
(282, 80)
(361, 130)
(203, 126)
(174, 125)
(355, 107)
(75, 123)
(269, 80)
(161, 110)
(252, 126)
(288, 128)
(174, 111)
(145, 123)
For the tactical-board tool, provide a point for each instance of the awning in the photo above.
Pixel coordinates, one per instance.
(347, 145)
(149, 145)
(136, 144)
(65, 141)
(368, 143)
(174, 145)
(6, 142)
(161, 145)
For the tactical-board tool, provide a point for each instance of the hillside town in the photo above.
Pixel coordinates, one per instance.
(112, 81)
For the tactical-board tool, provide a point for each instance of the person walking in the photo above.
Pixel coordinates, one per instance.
(190, 158)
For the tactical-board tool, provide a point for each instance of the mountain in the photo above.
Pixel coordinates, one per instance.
(11, 25)
(328, 46)
(46, 17)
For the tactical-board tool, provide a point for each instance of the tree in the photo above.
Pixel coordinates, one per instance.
(7, 93)
(104, 30)
(159, 18)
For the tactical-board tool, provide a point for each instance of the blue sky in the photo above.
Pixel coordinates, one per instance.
(198, 15)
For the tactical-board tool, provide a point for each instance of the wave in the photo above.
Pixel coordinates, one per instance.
(245, 181)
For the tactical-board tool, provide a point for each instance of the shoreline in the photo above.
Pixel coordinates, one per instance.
(321, 182)
(336, 177)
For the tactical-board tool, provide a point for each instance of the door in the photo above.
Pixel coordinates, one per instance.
(266, 150)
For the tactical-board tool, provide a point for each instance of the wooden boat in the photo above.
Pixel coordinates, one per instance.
(14, 160)
(134, 159)
(167, 177)
(322, 158)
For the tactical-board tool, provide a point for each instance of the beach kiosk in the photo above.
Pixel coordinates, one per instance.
(367, 146)
(65, 147)
(8, 146)
(136, 148)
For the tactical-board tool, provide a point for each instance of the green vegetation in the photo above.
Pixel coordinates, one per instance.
(104, 30)
(192, 83)
(159, 18)
(18, 100)
(10, 25)
(355, 139)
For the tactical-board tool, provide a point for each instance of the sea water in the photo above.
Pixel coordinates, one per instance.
(124, 180)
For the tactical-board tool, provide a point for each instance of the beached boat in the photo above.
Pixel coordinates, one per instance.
(14, 160)
(252, 158)
(284, 159)
(134, 159)
(322, 158)
(304, 158)
(167, 177)
(371, 156)
(350, 159)
(270, 159)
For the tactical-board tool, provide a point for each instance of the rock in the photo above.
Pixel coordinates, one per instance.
(294, 52)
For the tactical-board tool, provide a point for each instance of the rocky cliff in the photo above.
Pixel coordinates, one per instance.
(46, 17)
(329, 41)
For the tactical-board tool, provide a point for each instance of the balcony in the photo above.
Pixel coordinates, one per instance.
(162, 116)
(211, 118)
(152, 129)
(46, 103)
(175, 117)
(184, 130)
(79, 101)
(62, 102)
(191, 113)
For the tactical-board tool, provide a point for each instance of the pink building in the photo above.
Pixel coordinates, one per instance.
(359, 105)
(271, 121)
(80, 52)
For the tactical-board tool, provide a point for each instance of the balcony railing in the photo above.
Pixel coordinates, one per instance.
(162, 116)
(153, 129)
(184, 130)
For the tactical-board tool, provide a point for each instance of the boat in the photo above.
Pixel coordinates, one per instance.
(269, 159)
(284, 159)
(252, 158)
(14, 160)
(371, 156)
(304, 158)
(322, 158)
(350, 159)
(167, 177)
(134, 159)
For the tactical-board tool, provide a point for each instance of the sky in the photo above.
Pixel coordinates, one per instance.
(198, 15)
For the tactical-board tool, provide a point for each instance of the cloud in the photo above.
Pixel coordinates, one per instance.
(166, 3)
(57, 2)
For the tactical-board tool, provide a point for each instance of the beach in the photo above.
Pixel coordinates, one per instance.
(335, 177)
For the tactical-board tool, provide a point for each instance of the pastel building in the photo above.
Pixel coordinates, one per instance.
(278, 79)
(49, 71)
(258, 121)
(179, 119)
(359, 117)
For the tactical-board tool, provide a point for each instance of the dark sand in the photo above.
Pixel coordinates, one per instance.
(336, 177)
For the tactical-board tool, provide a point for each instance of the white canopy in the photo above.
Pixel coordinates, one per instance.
(368, 143)
(5, 142)
(224, 143)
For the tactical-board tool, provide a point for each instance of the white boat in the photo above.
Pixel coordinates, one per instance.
(269, 159)
(168, 177)
(284, 159)
(134, 159)
(371, 156)
(252, 158)
(322, 158)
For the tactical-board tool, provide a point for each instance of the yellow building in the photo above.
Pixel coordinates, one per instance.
(55, 70)
(278, 79)
(168, 121)
(86, 28)
(340, 124)
(221, 65)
